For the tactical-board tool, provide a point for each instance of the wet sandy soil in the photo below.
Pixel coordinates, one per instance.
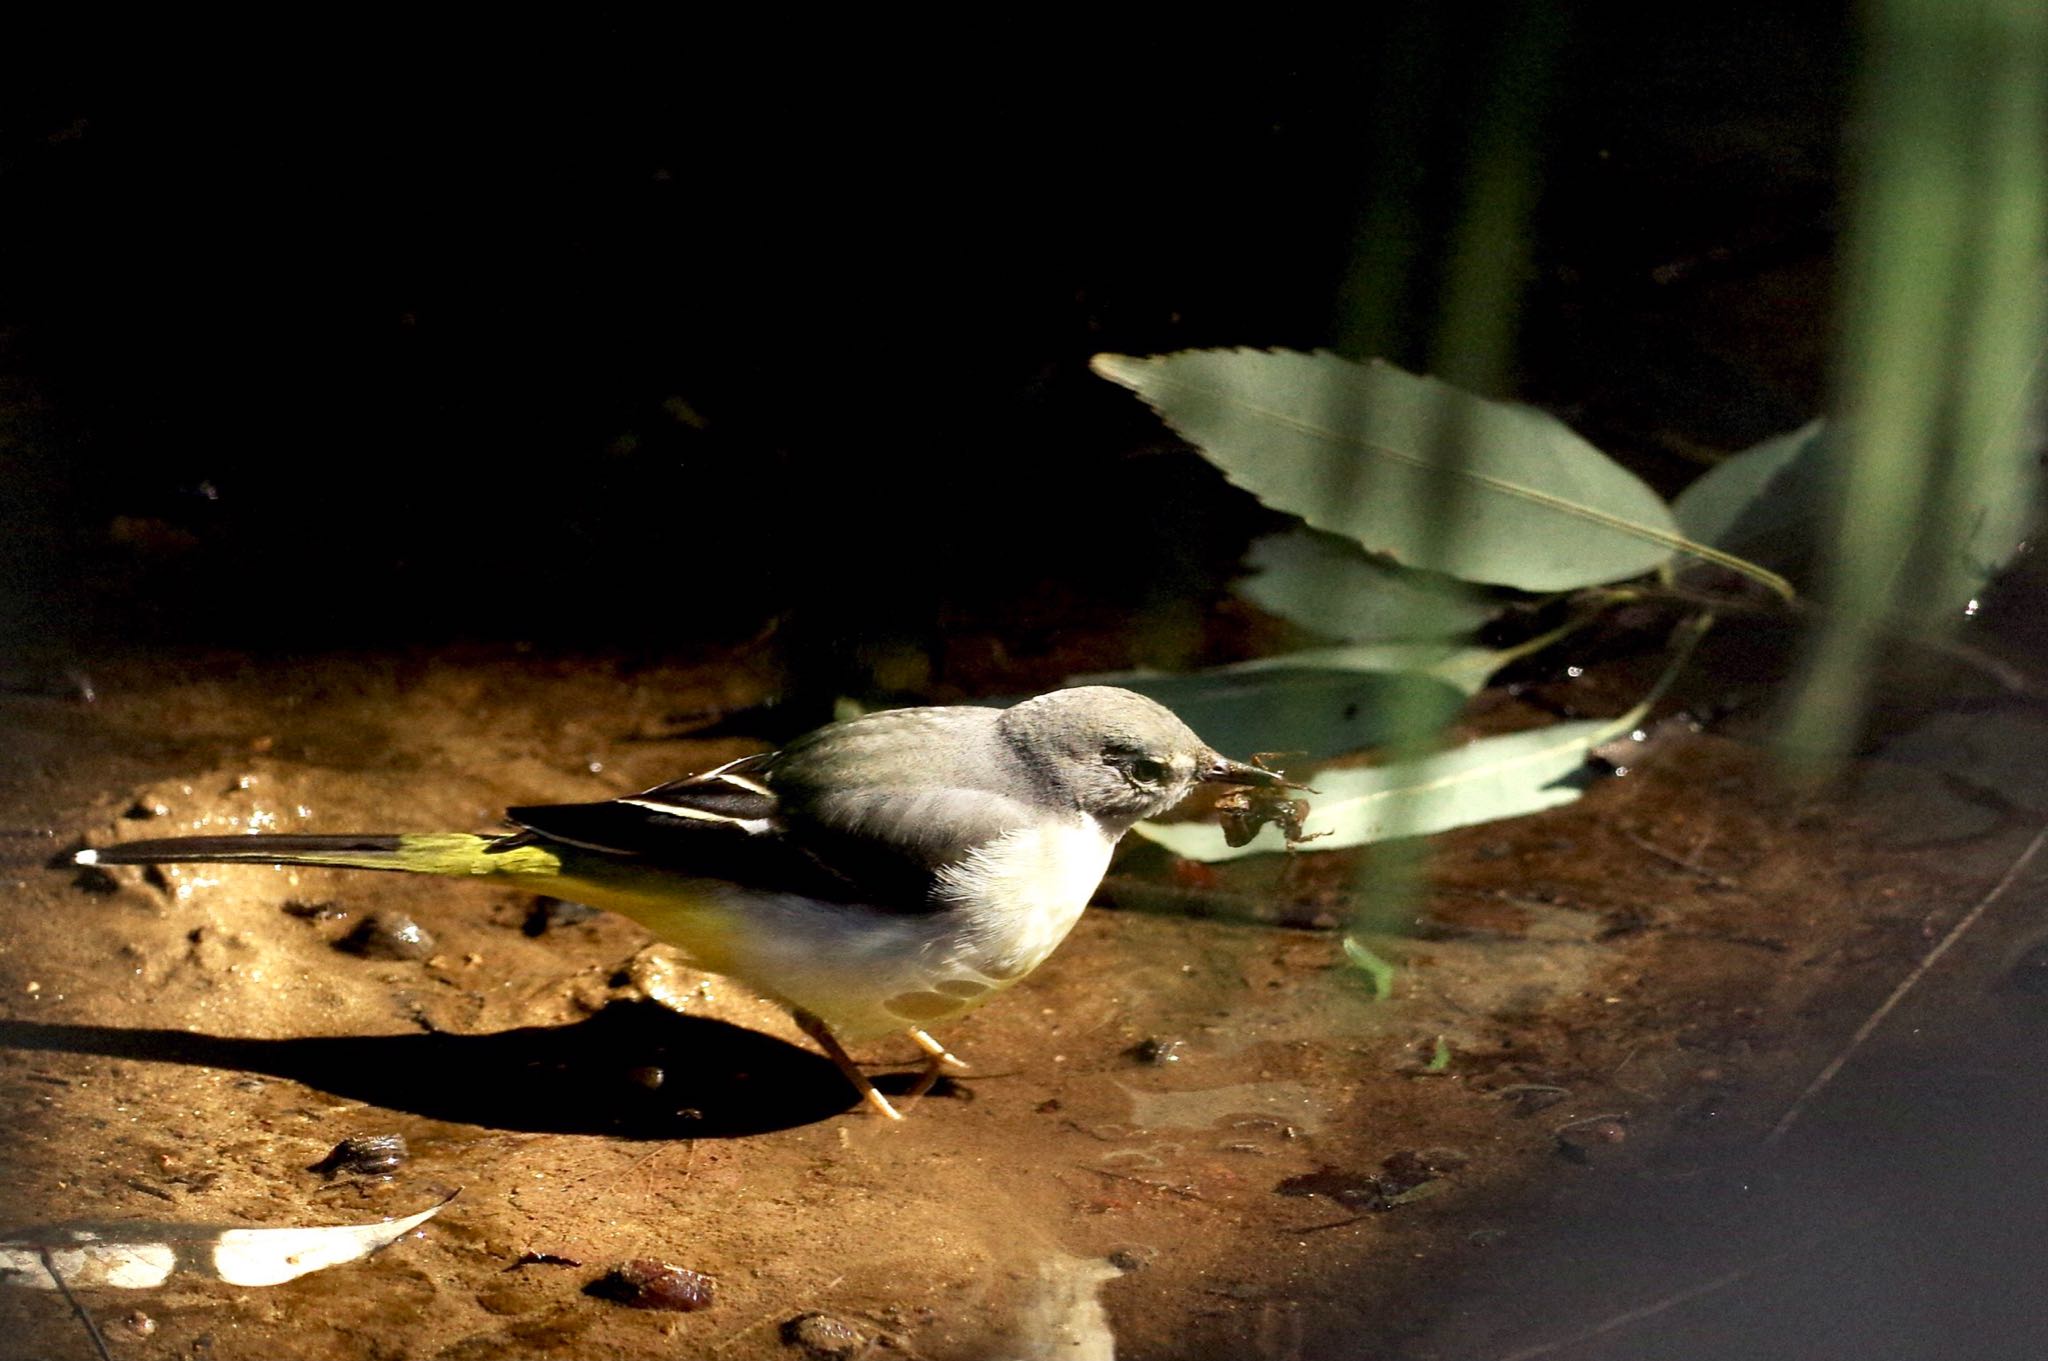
(1194, 1134)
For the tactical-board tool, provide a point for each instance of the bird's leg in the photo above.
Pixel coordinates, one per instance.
(940, 1055)
(938, 1060)
(829, 1042)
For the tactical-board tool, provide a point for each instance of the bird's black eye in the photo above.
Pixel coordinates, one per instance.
(1147, 771)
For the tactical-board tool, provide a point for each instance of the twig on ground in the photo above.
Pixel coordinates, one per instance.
(1678, 1297)
(1906, 985)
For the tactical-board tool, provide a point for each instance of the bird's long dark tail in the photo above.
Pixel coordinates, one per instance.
(456, 854)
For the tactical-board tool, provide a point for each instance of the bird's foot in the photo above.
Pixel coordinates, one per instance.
(829, 1042)
(941, 1057)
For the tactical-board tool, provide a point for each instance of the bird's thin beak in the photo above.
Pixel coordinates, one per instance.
(1223, 770)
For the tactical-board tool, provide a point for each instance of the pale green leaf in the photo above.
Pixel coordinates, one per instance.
(1465, 668)
(1492, 778)
(1377, 971)
(1312, 712)
(1765, 501)
(1366, 450)
(1329, 584)
(1482, 781)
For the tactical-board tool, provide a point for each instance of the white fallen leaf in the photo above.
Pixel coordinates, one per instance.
(139, 1254)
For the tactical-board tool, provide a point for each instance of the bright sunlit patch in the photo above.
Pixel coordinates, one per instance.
(1970, 610)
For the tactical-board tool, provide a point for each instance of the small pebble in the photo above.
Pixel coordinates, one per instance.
(325, 910)
(1413, 1166)
(1353, 1190)
(64, 858)
(1581, 1139)
(96, 881)
(549, 914)
(644, 1283)
(364, 1155)
(1159, 1050)
(1131, 1257)
(388, 935)
(824, 1337)
(139, 1323)
(2030, 974)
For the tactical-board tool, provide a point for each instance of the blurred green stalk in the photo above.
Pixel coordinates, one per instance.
(1940, 313)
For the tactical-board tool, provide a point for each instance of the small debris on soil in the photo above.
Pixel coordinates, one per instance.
(1529, 1097)
(1158, 1050)
(66, 856)
(1132, 1257)
(138, 1323)
(824, 1337)
(1400, 1179)
(644, 1283)
(1581, 1140)
(542, 1259)
(388, 935)
(547, 914)
(1358, 1191)
(1415, 1166)
(140, 811)
(2030, 974)
(325, 910)
(96, 881)
(364, 1155)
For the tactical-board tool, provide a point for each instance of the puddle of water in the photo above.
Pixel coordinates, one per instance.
(1293, 1103)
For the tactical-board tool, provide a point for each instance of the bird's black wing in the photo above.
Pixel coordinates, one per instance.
(770, 822)
(680, 819)
(724, 824)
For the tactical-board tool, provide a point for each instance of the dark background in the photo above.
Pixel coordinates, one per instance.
(646, 337)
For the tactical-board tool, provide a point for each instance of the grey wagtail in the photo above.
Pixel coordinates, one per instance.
(876, 875)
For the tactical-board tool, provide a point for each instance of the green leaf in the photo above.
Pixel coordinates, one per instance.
(1492, 778)
(1328, 584)
(1482, 781)
(1376, 970)
(1464, 668)
(1765, 501)
(1365, 450)
(1316, 712)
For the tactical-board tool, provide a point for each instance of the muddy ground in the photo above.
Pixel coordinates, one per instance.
(1191, 1134)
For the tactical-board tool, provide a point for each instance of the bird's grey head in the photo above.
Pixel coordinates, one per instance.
(1115, 755)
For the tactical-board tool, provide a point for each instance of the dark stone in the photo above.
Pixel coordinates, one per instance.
(388, 935)
(644, 1283)
(824, 1337)
(365, 1155)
